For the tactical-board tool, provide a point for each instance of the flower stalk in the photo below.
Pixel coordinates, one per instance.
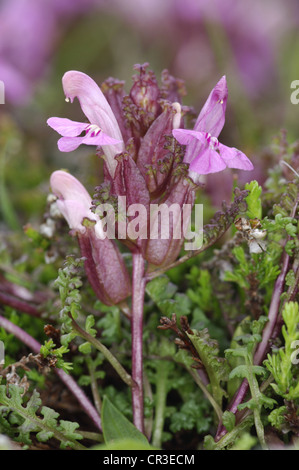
(138, 291)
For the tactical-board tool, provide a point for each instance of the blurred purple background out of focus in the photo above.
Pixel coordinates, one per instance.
(29, 30)
(201, 36)
(255, 44)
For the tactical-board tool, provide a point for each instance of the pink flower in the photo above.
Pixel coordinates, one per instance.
(102, 129)
(204, 153)
(104, 265)
(212, 116)
(211, 156)
(73, 201)
(72, 130)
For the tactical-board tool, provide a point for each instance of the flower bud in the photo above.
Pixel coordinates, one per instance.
(154, 158)
(145, 93)
(172, 89)
(129, 187)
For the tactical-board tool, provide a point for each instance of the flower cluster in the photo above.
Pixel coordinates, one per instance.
(149, 159)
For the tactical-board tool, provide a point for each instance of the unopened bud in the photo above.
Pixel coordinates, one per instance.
(145, 92)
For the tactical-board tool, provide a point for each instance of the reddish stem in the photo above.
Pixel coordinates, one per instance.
(19, 304)
(66, 379)
(138, 290)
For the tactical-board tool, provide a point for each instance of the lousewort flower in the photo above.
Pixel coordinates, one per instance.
(74, 202)
(104, 265)
(204, 153)
(102, 129)
(72, 138)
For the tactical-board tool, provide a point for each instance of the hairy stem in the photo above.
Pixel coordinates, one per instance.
(138, 290)
(66, 379)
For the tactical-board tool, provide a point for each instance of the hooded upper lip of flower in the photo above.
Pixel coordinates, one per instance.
(204, 153)
(102, 129)
(73, 201)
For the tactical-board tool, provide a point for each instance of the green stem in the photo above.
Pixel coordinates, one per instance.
(161, 394)
(230, 437)
(255, 394)
(94, 387)
(92, 436)
(108, 355)
(200, 383)
(259, 428)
